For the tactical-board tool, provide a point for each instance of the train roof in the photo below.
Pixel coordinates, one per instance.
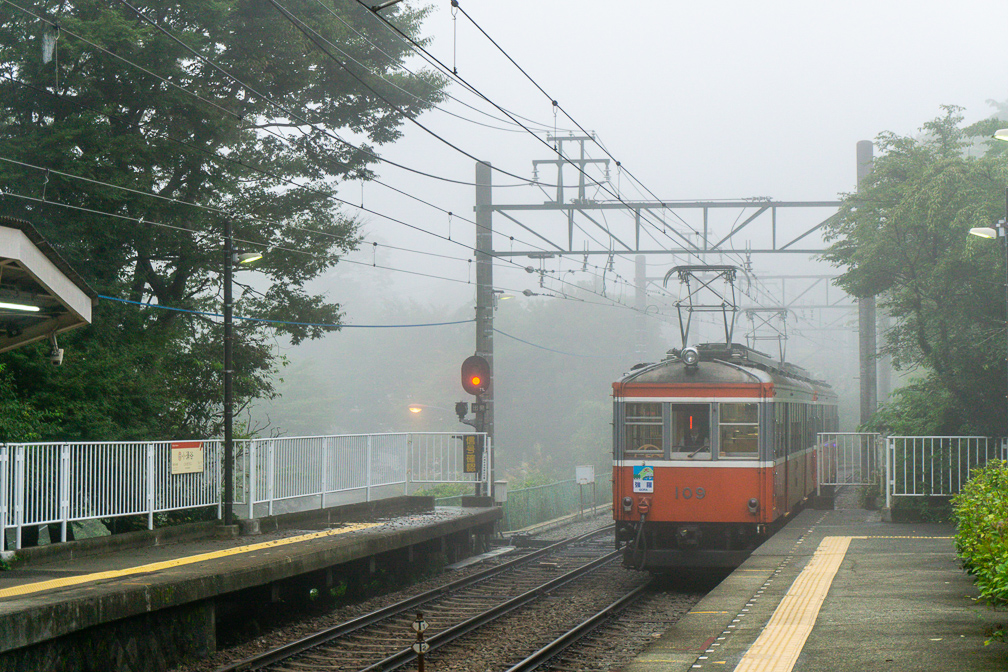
(725, 365)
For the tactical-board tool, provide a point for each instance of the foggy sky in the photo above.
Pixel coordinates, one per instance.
(698, 99)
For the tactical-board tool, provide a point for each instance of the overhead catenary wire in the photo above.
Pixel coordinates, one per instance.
(309, 230)
(243, 318)
(139, 220)
(420, 49)
(318, 39)
(227, 213)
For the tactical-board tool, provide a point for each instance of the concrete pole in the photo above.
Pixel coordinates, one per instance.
(867, 348)
(640, 285)
(484, 297)
(228, 373)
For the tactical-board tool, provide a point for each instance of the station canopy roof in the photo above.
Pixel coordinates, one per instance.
(40, 294)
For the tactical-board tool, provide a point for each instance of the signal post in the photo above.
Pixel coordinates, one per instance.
(484, 304)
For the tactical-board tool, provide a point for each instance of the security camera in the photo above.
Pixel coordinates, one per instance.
(56, 353)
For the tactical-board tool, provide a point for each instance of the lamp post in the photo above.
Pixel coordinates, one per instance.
(230, 260)
(989, 232)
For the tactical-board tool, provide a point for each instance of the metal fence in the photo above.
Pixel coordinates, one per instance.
(913, 466)
(848, 458)
(60, 483)
(936, 465)
(528, 506)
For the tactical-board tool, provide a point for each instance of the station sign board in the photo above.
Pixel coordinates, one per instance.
(186, 457)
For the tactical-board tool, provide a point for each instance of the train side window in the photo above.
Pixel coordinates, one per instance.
(739, 428)
(690, 431)
(780, 429)
(643, 422)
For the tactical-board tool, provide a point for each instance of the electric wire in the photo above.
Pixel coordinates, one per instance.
(317, 40)
(241, 83)
(226, 213)
(541, 126)
(269, 246)
(451, 73)
(291, 114)
(327, 325)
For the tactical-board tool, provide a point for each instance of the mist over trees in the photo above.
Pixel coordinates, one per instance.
(180, 115)
(904, 238)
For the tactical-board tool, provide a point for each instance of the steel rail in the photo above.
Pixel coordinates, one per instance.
(576, 633)
(286, 651)
(465, 627)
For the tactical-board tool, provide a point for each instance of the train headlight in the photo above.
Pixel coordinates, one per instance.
(627, 504)
(690, 357)
(753, 506)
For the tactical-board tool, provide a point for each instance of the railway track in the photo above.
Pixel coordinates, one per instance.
(611, 637)
(382, 639)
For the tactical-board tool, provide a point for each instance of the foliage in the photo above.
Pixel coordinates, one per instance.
(923, 407)
(210, 149)
(446, 490)
(21, 421)
(981, 512)
(903, 236)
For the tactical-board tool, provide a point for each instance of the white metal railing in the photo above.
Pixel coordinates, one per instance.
(59, 483)
(936, 465)
(848, 458)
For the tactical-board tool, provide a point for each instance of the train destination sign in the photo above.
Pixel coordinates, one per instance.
(643, 479)
(187, 457)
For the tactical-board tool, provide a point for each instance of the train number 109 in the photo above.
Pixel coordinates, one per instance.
(690, 493)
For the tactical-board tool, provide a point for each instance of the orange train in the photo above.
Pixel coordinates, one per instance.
(713, 449)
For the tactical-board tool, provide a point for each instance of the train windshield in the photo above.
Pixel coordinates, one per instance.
(644, 430)
(690, 425)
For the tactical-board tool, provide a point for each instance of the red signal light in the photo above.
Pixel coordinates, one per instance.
(475, 375)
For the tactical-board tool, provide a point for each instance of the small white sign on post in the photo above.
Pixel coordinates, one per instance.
(187, 457)
(585, 475)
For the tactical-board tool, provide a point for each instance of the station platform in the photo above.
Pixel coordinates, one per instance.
(109, 604)
(838, 591)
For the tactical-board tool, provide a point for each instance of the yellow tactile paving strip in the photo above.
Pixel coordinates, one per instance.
(778, 646)
(66, 582)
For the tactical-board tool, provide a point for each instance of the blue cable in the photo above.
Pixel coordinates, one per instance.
(297, 324)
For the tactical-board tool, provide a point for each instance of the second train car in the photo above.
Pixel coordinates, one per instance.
(713, 448)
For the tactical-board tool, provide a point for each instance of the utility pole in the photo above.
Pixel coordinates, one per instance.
(867, 348)
(484, 301)
(228, 373)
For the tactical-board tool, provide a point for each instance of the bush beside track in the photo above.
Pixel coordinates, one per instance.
(981, 512)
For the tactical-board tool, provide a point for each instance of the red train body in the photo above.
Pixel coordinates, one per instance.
(713, 448)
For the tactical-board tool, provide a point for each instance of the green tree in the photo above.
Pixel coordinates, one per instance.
(20, 421)
(903, 236)
(266, 152)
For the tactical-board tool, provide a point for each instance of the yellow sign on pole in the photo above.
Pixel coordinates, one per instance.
(187, 457)
(472, 446)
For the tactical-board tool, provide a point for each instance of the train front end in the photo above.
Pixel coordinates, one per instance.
(692, 480)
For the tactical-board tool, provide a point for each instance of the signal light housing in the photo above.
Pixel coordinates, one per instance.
(475, 375)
